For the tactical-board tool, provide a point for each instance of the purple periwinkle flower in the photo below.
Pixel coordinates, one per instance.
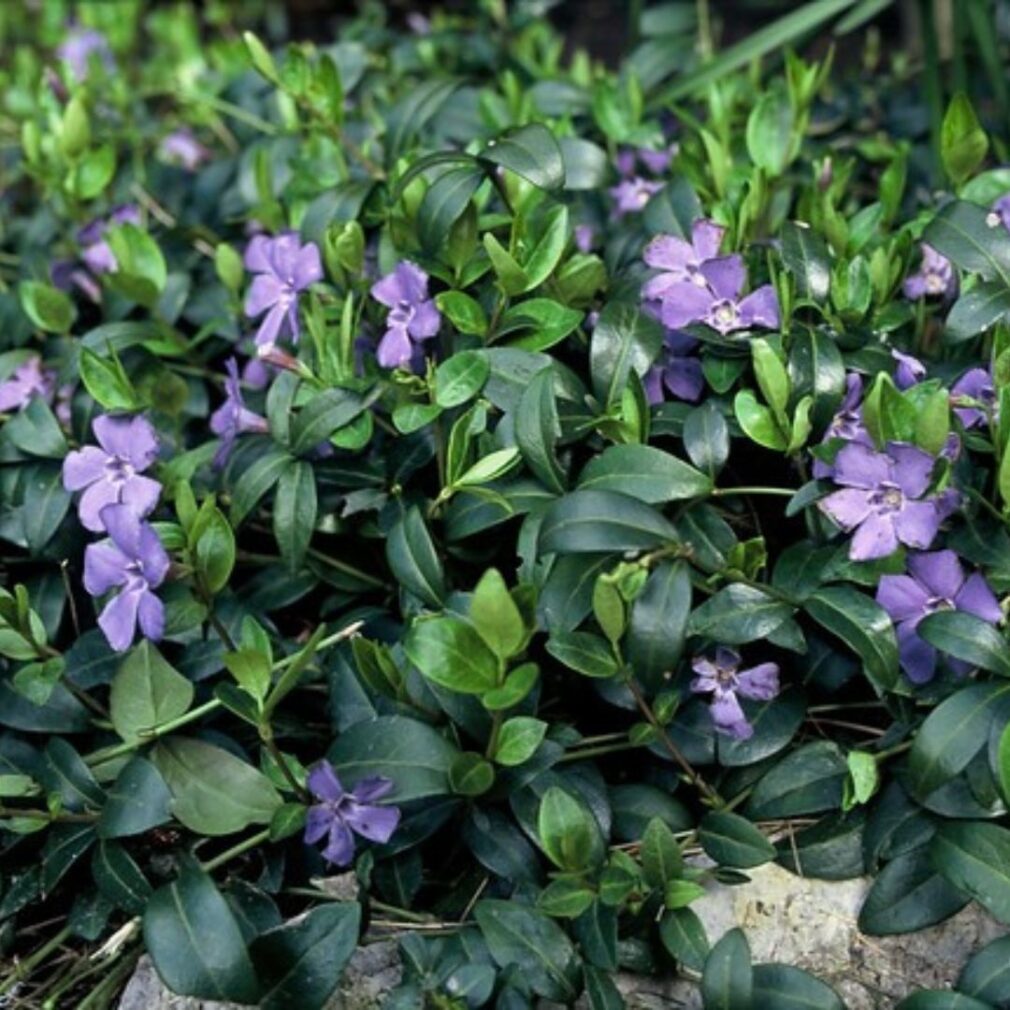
(631, 195)
(29, 380)
(1001, 208)
(585, 237)
(339, 814)
(111, 473)
(680, 260)
(847, 424)
(724, 680)
(977, 387)
(95, 251)
(908, 371)
(78, 48)
(283, 267)
(134, 560)
(180, 147)
(232, 418)
(718, 303)
(654, 161)
(935, 581)
(935, 276)
(677, 369)
(68, 274)
(412, 314)
(881, 499)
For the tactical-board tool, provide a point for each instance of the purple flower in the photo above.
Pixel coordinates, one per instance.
(29, 380)
(908, 371)
(584, 237)
(847, 423)
(976, 384)
(631, 195)
(412, 314)
(134, 560)
(95, 250)
(232, 418)
(180, 147)
(283, 268)
(935, 276)
(111, 475)
(68, 274)
(935, 581)
(677, 369)
(723, 679)
(1001, 208)
(339, 813)
(718, 303)
(656, 162)
(77, 49)
(880, 499)
(680, 260)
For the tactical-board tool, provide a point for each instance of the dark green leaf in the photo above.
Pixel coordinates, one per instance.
(967, 637)
(451, 653)
(728, 979)
(444, 203)
(601, 521)
(537, 430)
(806, 781)
(787, 988)
(530, 151)
(684, 938)
(413, 559)
(119, 878)
(975, 857)
(806, 257)
(961, 231)
(625, 339)
(147, 691)
(255, 482)
(644, 472)
(322, 416)
(986, 975)
(137, 801)
(460, 378)
(706, 438)
(738, 614)
(976, 310)
(732, 840)
(295, 512)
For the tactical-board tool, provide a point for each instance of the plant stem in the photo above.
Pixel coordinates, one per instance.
(23, 968)
(236, 850)
(723, 492)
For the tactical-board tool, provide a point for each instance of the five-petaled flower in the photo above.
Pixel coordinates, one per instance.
(412, 314)
(28, 380)
(724, 680)
(935, 581)
(339, 813)
(283, 267)
(134, 560)
(881, 499)
(846, 425)
(935, 276)
(111, 473)
(233, 418)
(680, 260)
(78, 48)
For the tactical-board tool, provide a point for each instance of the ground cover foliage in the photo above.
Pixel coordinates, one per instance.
(535, 489)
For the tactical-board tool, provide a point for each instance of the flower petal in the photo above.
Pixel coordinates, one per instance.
(84, 467)
(760, 682)
(265, 291)
(916, 656)
(376, 824)
(848, 507)
(857, 465)
(706, 237)
(119, 619)
(317, 823)
(729, 717)
(667, 252)
(917, 524)
(104, 567)
(140, 493)
(151, 616)
(323, 782)
(875, 538)
(912, 467)
(902, 597)
(760, 308)
(977, 598)
(394, 348)
(97, 497)
(340, 847)
(685, 303)
(939, 571)
(726, 276)
(372, 788)
(425, 321)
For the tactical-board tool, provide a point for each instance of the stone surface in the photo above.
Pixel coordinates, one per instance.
(808, 923)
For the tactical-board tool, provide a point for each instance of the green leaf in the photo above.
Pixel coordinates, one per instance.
(413, 755)
(975, 857)
(940, 999)
(214, 552)
(138, 801)
(644, 472)
(816, 369)
(758, 422)
(537, 430)
(738, 614)
(414, 560)
(805, 255)
(490, 467)
(863, 625)
(658, 625)
(460, 378)
(770, 132)
(213, 791)
(464, 312)
(444, 203)
(662, 860)
(808, 780)
(603, 521)
(586, 653)
(732, 840)
(47, 307)
(684, 938)
(495, 615)
(706, 438)
(322, 416)
(300, 962)
(470, 774)
(963, 143)
(986, 975)
(530, 151)
(510, 274)
(908, 895)
(961, 231)
(1003, 763)
(36, 432)
(451, 653)
(953, 733)
(967, 637)
(728, 980)
(787, 988)
(518, 935)
(601, 989)
(106, 381)
(625, 339)
(568, 832)
(46, 502)
(546, 254)
(255, 482)
(146, 692)
(518, 739)
(195, 942)
(295, 512)
(550, 322)
(119, 879)
(260, 57)
(976, 311)
(142, 272)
